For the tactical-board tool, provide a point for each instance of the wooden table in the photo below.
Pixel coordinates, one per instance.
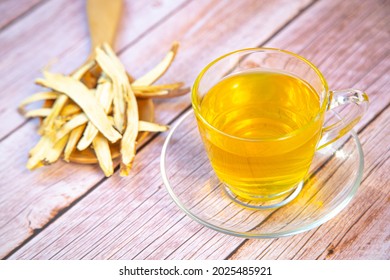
(70, 211)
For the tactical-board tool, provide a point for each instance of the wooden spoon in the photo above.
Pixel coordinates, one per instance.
(103, 21)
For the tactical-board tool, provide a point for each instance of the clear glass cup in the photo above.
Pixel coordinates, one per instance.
(265, 171)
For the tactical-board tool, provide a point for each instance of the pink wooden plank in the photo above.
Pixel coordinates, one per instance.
(11, 10)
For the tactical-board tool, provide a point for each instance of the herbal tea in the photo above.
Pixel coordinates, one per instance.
(268, 134)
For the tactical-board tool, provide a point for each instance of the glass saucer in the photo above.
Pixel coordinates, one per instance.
(333, 180)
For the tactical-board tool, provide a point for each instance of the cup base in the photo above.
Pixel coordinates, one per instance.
(259, 205)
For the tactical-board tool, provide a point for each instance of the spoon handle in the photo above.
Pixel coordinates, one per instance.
(103, 20)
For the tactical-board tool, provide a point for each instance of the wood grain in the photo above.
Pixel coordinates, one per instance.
(134, 218)
(182, 28)
(11, 10)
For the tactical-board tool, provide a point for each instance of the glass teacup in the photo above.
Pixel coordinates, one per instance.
(260, 113)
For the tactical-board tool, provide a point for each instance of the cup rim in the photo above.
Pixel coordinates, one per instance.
(323, 106)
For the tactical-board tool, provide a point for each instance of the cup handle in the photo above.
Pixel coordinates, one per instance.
(349, 118)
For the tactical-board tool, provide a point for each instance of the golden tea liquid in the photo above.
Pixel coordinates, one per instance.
(264, 137)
